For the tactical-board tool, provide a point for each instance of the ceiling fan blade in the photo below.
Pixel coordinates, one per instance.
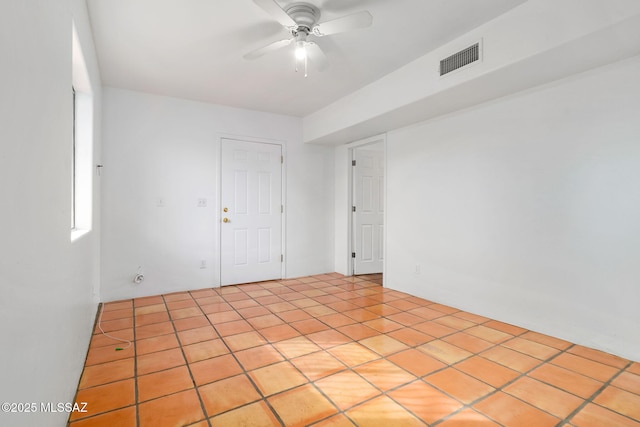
(268, 48)
(346, 23)
(317, 56)
(273, 9)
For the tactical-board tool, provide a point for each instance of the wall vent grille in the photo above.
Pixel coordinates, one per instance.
(460, 59)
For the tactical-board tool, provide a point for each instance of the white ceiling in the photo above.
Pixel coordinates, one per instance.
(194, 49)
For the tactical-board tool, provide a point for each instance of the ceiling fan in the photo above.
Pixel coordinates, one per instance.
(301, 21)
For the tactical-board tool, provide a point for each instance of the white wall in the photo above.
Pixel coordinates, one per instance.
(526, 209)
(165, 148)
(47, 305)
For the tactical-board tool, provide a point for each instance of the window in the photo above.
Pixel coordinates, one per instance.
(81, 144)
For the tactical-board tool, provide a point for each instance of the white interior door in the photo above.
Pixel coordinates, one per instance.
(368, 215)
(251, 217)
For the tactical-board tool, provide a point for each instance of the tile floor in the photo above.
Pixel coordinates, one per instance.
(330, 350)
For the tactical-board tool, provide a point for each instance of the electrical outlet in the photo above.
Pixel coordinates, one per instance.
(160, 202)
(202, 203)
(203, 264)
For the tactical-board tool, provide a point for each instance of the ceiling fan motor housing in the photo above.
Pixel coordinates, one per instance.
(304, 14)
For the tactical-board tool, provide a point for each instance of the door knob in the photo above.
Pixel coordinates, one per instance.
(225, 210)
(225, 219)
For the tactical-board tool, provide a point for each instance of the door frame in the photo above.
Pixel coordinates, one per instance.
(218, 215)
(351, 197)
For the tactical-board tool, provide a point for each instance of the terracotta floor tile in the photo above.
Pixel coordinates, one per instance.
(194, 335)
(435, 329)
(511, 359)
(171, 411)
(382, 411)
(318, 365)
(546, 340)
(256, 414)
(159, 360)
(599, 356)
(278, 377)
(410, 337)
(213, 299)
(159, 343)
(304, 302)
(485, 370)
(258, 357)
(295, 347)
(585, 367)
(468, 342)
(488, 334)
(117, 314)
(250, 312)
(319, 310)
(459, 385)
(204, 350)
(384, 374)
(634, 368)
(416, 362)
(125, 417)
(309, 326)
(329, 338)
(301, 406)
(543, 396)
(222, 316)
(115, 325)
(512, 412)
(103, 340)
(382, 325)
(150, 309)
(107, 373)
(244, 340)
(216, 309)
(177, 296)
(428, 403)
(531, 348)
(186, 303)
(265, 321)
(346, 389)
(455, 322)
(403, 304)
(357, 331)
(294, 315)
(338, 420)
(444, 351)
(383, 344)
(336, 320)
(105, 398)
(505, 327)
(426, 313)
(343, 306)
(191, 323)
(141, 302)
(98, 355)
(597, 416)
(628, 381)
(404, 318)
(163, 383)
(203, 293)
(119, 305)
(280, 307)
(471, 317)
(217, 368)
(233, 328)
(154, 330)
(468, 418)
(279, 333)
(567, 380)
(361, 315)
(620, 401)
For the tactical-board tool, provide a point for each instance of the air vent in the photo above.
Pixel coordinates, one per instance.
(460, 59)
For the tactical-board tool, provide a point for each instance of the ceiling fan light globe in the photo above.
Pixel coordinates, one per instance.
(301, 51)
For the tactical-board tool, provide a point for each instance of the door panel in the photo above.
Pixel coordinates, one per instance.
(251, 193)
(368, 218)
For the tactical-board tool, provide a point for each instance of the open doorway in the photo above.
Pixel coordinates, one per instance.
(367, 208)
